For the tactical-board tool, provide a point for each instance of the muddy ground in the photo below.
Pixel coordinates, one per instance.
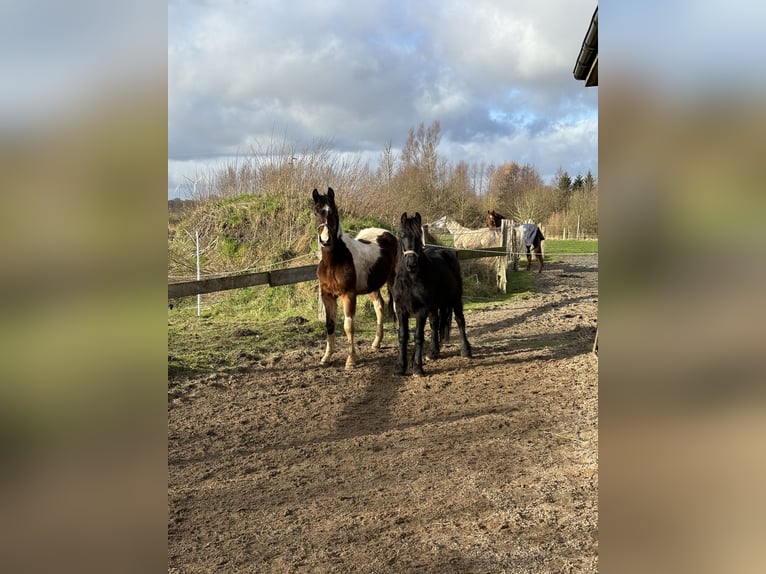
(487, 464)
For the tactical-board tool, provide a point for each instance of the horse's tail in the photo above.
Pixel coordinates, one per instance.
(391, 312)
(390, 283)
(445, 321)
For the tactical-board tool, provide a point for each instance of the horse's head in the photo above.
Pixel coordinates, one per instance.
(494, 219)
(327, 218)
(410, 240)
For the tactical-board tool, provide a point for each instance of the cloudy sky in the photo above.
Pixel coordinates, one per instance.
(497, 75)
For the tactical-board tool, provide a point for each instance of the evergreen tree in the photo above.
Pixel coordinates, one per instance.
(590, 182)
(563, 181)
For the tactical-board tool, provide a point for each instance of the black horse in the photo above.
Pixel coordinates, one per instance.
(428, 284)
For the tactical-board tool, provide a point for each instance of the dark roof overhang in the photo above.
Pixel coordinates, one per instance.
(586, 67)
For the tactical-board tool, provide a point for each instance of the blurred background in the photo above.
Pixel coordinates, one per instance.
(83, 146)
(681, 379)
(83, 165)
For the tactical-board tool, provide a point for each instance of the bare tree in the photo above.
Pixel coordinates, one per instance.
(509, 182)
(534, 205)
(420, 168)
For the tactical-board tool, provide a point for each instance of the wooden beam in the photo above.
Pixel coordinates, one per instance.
(292, 275)
(287, 276)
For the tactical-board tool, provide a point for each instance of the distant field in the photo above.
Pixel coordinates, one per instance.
(567, 246)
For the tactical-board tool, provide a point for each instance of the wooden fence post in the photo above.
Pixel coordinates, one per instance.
(514, 247)
(503, 263)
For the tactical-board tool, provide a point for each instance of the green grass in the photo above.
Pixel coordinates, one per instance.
(478, 294)
(569, 246)
(241, 327)
(225, 339)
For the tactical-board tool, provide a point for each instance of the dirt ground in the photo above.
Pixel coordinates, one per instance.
(487, 464)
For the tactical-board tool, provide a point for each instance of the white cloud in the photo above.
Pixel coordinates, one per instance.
(362, 73)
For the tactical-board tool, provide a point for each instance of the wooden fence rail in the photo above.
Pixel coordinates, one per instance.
(271, 278)
(304, 273)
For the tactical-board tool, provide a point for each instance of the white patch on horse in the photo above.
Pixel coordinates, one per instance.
(365, 255)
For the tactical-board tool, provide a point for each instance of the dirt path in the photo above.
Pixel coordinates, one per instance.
(485, 465)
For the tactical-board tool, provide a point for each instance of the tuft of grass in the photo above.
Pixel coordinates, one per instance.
(477, 294)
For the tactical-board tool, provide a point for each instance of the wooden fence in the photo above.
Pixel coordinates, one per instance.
(271, 278)
(291, 275)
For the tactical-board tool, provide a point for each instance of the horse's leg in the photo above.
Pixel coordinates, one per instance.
(404, 335)
(420, 328)
(349, 310)
(465, 347)
(433, 320)
(529, 259)
(377, 303)
(539, 255)
(331, 310)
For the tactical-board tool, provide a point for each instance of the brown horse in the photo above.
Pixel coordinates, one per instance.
(494, 219)
(350, 267)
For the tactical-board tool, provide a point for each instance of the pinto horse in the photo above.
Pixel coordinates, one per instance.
(350, 267)
(428, 285)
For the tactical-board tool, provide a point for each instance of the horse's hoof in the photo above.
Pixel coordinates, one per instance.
(418, 373)
(399, 370)
(376, 344)
(466, 353)
(350, 363)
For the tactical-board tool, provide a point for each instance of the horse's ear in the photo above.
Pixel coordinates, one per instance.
(489, 212)
(417, 218)
(403, 218)
(331, 193)
(315, 195)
